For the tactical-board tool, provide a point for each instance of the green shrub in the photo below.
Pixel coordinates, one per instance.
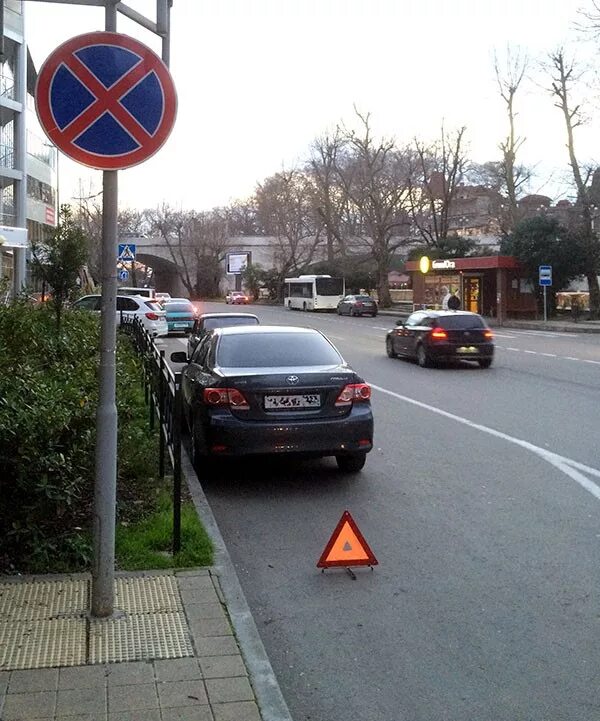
(48, 398)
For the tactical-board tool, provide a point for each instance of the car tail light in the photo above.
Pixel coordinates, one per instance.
(353, 393)
(152, 316)
(226, 397)
(488, 334)
(439, 334)
(358, 304)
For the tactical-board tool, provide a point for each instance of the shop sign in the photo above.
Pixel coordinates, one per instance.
(443, 265)
(13, 237)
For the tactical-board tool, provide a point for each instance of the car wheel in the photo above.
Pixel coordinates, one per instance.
(352, 312)
(339, 311)
(351, 463)
(197, 457)
(374, 315)
(389, 348)
(422, 357)
(485, 362)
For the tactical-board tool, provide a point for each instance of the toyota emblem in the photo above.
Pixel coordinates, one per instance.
(292, 380)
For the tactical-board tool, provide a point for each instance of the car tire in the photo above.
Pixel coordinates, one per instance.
(197, 457)
(339, 311)
(423, 359)
(485, 362)
(352, 462)
(389, 348)
(352, 312)
(374, 315)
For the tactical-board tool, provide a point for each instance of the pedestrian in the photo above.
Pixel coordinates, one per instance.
(453, 302)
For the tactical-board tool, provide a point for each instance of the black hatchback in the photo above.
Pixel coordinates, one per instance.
(254, 390)
(433, 336)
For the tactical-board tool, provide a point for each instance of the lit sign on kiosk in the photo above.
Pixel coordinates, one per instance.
(443, 265)
(425, 264)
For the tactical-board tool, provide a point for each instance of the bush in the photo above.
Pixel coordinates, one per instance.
(48, 398)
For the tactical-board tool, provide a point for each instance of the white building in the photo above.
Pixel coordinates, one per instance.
(28, 161)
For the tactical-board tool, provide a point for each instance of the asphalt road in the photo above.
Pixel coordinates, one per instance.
(481, 502)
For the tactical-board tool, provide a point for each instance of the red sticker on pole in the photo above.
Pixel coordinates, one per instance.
(106, 100)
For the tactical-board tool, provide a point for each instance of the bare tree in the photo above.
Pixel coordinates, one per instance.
(436, 171)
(209, 233)
(564, 77)
(329, 196)
(286, 211)
(175, 227)
(373, 175)
(514, 176)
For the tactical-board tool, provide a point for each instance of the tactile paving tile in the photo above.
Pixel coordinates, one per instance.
(42, 643)
(147, 594)
(43, 599)
(139, 637)
(45, 624)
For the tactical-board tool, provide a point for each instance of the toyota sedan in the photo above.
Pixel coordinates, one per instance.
(254, 390)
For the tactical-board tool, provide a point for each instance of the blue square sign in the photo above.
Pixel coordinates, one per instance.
(545, 275)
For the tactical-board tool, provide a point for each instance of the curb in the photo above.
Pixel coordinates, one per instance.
(270, 700)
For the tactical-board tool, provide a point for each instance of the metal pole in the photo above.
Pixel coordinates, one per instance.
(177, 466)
(20, 143)
(166, 38)
(545, 310)
(105, 490)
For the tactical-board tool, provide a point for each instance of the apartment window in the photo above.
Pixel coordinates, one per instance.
(39, 190)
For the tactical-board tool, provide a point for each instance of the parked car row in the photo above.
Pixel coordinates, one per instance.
(148, 311)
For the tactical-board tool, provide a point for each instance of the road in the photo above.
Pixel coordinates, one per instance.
(481, 501)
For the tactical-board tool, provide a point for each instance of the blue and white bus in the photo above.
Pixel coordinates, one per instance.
(313, 292)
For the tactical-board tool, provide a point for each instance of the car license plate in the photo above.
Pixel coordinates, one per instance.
(180, 325)
(307, 400)
(467, 349)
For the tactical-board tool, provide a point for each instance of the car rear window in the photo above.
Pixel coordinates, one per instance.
(153, 305)
(212, 323)
(460, 322)
(179, 307)
(363, 297)
(272, 350)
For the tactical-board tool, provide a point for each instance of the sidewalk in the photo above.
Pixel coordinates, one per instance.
(182, 647)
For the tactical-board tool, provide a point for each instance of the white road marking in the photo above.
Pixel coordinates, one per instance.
(570, 357)
(549, 355)
(531, 352)
(568, 466)
(509, 348)
(502, 335)
(591, 361)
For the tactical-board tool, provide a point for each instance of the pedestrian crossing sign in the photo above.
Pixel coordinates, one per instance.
(127, 251)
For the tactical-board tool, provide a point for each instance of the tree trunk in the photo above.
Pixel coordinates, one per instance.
(383, 285)
(594, 288)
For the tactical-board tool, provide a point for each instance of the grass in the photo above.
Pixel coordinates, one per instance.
(147, 544)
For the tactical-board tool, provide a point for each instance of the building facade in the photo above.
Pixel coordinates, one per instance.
(28, 161)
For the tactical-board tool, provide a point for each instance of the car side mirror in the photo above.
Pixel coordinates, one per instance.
(399, 322)
(179, 356)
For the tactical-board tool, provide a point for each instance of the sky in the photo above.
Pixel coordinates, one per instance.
(259, 80)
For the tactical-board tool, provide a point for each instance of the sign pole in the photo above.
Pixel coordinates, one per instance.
(105, 489)
(545, 307)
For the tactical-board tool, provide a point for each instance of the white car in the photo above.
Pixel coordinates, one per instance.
(153, 317)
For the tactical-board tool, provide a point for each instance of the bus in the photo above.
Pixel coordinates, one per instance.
(313, 292)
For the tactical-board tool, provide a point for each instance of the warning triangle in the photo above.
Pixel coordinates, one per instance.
(347, 546)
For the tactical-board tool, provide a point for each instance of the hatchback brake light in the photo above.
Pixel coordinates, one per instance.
(439, 334)
(226, 397)
(488, 334)
(353, 393)
(152, 316)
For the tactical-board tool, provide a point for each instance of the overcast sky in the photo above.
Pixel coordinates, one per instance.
(258, 80)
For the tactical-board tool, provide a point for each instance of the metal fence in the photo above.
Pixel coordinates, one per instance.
(162, 390)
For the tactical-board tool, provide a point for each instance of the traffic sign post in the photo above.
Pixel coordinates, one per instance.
(107, 101)
(545, 280)
(126, 252)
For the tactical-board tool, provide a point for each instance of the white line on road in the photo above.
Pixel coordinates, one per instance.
(531, 352)
(567, 465)
(570, 357)
(502, 335)
(549, 355)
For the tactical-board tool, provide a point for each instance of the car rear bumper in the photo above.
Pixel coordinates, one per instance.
(227, 435)
(452, 352)
(180, 326)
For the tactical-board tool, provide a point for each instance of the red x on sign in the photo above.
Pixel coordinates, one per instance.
(106, 100)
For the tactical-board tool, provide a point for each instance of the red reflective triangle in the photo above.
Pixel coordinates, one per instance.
(347, 546)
